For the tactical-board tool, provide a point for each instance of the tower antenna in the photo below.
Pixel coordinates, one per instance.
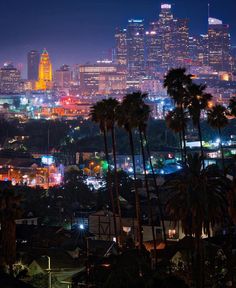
(209, 6)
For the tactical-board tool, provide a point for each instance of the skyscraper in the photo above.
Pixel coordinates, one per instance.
(135, 48)
(33, 58)
(218, 45)
(152, 50)
(120, 47)
(180, 41)
(198, 49)
(165, 32)
(9, 79)
(45, 72)
(63, 77)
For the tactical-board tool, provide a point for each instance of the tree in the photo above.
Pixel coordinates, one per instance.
(177, 81)
(232, 106)
(217, 119)
(126, 118)
(197, 199)
(97, 115)
(197, 102)
(9, 211)
(110, 114)
(176, 122)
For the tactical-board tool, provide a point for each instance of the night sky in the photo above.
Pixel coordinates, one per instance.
(77, 31)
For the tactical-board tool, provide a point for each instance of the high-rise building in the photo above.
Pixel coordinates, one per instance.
(33, 58)
(198, 49)
(167, 41)
(120, 47)
(63, 77)
(135, 48)
(152, 51)
(45, 72)
(180, 41)
(9, 79)
(101, 78)
(218, 45)
(165, 33)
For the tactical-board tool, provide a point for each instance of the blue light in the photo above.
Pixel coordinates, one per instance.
(81, 226)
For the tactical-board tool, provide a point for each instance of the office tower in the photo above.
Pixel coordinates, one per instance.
(152, 51)
(33, 58)
(198, 49)
(102, 78)
(165, 34)
(63, 77)
(218, 45)
(135, 48)
(45, 72)
(180, 42)
(9, 79)
(120, 47)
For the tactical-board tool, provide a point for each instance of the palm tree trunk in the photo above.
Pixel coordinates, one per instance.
(137, 200)
(183, 134)
(222, 150)
(181, 146)
(200, 139)
(117, 182)
(157, 190)
(148, 197)
(109, 184)
(199, 264)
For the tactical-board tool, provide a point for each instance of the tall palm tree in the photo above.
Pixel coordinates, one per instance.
(197, 199)
(126, 114)
(232, 106)
(10, 210)
(110, 112)
(177, 81)
(217, 119)
(176, 122)
(98, 115)
(142, 116)
(198, 101)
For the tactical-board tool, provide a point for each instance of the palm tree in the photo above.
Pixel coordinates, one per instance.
(142, 116)
(126, 114)
(197, 102)
(98, 115)
(197, 199)
(176, 123)
(217, 119)
(9, 211)
(110, 111)
(232, 106)
(177, 81)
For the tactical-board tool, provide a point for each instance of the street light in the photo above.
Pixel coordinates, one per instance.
(49, 271)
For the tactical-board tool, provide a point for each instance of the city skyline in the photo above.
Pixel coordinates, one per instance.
(71, 37)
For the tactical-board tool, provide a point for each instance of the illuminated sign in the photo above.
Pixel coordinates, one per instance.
(214, 21)
(47, 160)
(135, 21)
(165, 6)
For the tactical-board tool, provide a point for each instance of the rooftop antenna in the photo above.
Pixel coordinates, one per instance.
(209, 6)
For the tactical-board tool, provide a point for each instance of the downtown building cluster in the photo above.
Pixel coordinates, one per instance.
(142, 55)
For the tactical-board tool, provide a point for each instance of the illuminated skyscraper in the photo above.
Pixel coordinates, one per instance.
(218, 45)
(180, 46)
(198, 49)
(135, 48)
(120, 47)
(33, 58)
(165, 33)
(63, 77)
(45, 72)
(152, 50)
(9, 79)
